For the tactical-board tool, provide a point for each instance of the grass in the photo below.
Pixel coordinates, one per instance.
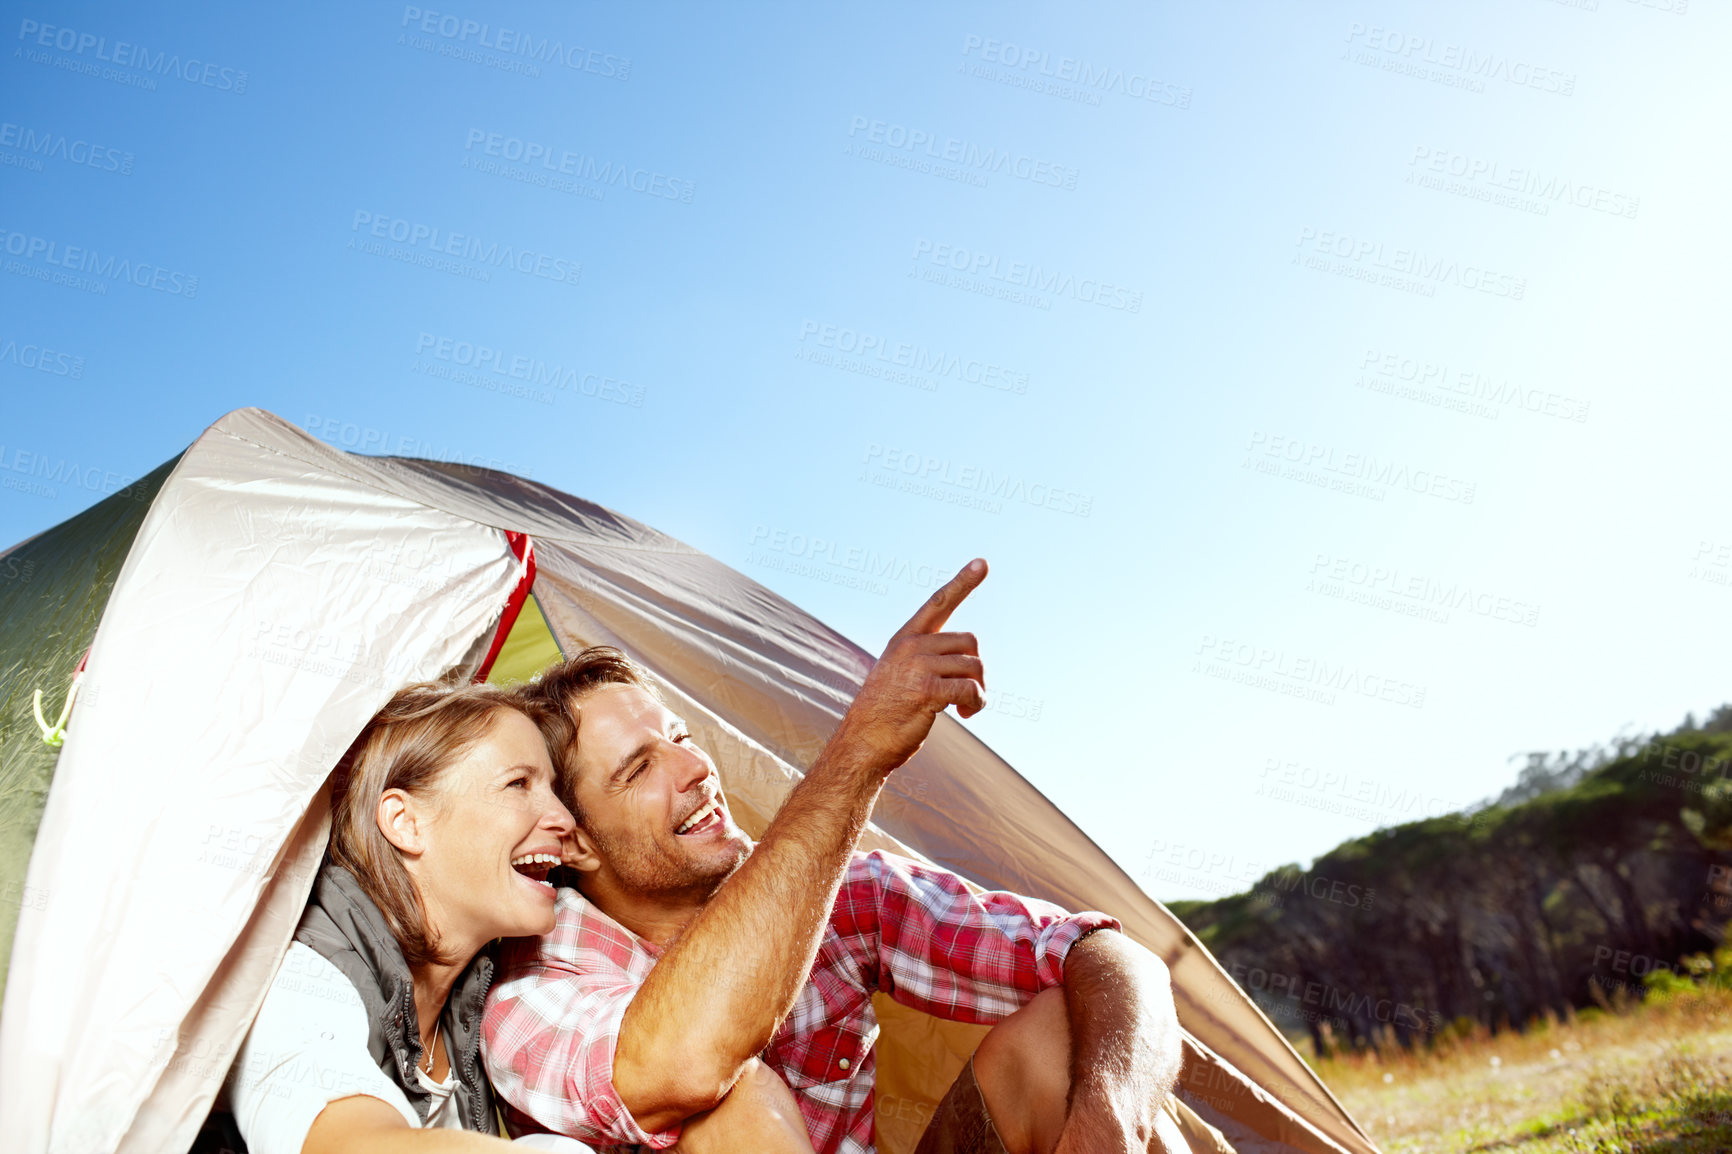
(1650, 1077)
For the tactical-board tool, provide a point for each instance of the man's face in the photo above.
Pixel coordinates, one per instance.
(651, 802)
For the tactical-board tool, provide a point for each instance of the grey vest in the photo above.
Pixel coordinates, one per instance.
(342, 925)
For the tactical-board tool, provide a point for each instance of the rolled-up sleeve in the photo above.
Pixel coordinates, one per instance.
(951, 951)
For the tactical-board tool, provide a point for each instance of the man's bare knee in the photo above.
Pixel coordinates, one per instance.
(759, 1116)
(1023, 1068)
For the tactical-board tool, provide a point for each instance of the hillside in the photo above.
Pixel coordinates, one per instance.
(1567, 889)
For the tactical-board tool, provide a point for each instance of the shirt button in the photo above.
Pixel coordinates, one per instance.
(842, 1062)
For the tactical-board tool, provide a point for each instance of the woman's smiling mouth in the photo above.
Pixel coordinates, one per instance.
(535, 867)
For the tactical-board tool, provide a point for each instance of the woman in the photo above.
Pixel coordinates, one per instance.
(444, 825)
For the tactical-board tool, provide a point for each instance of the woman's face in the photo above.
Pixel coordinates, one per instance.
(490, 836)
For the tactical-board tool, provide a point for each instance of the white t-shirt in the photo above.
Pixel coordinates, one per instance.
(308, 1048)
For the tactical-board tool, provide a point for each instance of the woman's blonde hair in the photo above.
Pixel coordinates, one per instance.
(422, 731)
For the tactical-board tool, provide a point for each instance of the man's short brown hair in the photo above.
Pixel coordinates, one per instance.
(550, 699)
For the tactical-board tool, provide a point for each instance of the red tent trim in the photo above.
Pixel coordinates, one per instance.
(523, 549)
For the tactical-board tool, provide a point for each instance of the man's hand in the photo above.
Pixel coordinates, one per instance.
(1124, 1133)
(715, 999)
(923, 670)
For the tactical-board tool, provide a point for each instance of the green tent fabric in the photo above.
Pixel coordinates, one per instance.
(53, 588)
(529, 648)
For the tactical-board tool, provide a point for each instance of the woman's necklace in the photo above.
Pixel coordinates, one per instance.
(430, 1049)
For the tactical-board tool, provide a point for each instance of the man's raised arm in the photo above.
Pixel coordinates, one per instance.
(716, 997)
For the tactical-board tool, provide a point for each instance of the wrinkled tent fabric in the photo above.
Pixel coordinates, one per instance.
(259, 620)
(206, 728)
(52, 590)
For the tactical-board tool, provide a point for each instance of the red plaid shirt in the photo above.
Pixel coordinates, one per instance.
(898, 927)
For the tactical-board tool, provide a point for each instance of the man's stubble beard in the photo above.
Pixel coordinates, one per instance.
(648, 873)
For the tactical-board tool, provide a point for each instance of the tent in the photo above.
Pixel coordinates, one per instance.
(234, 618)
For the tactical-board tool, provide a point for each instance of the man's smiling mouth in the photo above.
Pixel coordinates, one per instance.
(703, 819)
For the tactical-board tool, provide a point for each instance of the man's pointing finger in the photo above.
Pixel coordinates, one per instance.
(930, 617)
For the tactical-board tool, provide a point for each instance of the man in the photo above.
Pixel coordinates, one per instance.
(685, 953)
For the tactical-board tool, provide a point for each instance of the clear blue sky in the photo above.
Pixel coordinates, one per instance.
(1333, 387)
